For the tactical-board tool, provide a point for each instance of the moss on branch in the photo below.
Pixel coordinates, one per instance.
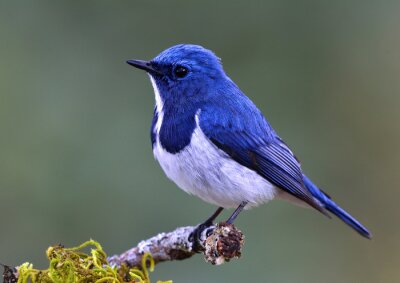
(73, 265)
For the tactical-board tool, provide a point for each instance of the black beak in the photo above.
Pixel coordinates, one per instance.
(143, 65)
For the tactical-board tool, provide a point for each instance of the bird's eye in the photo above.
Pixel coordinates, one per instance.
(181, 71)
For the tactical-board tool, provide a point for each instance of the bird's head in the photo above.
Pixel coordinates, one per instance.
(182, 72)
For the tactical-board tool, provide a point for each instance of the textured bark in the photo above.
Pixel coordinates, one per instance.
(217, 243)
(9, 274)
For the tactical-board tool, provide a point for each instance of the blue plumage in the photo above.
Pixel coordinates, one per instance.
(215, 143)
(331, 206)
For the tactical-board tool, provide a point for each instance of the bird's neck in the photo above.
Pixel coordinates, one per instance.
(173, 122)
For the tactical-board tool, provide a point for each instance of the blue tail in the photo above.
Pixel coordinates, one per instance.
(331, 206)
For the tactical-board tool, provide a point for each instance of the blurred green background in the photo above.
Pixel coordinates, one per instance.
(76, 161)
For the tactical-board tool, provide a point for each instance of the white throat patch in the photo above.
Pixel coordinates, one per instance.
(159, 106)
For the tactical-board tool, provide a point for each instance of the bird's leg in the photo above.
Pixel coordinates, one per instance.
(195, 235)
(211, 219)
(236, 212)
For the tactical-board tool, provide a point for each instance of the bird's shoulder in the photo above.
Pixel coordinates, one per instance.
(231, 113)
(241, 130)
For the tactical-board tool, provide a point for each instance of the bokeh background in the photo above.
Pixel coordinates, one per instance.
(75, 155)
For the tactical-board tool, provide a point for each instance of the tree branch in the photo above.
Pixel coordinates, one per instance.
(218, 243)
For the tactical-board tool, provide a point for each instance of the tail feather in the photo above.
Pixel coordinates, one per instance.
(331, 206)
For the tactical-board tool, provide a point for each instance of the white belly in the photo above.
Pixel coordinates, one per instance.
(205, 171)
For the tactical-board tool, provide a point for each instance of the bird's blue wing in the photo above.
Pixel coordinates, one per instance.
(249, 140)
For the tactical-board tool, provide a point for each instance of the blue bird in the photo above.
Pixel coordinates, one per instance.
(214, 143)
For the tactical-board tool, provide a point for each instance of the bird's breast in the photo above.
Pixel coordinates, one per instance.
(200, 168)
(173, 131)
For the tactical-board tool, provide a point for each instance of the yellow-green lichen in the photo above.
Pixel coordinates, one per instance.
(72, 265)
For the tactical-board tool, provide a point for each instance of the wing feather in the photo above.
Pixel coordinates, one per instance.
(251, 142)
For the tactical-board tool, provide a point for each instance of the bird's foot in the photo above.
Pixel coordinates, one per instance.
(200, 234)
(203, 231)
(219, 243)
